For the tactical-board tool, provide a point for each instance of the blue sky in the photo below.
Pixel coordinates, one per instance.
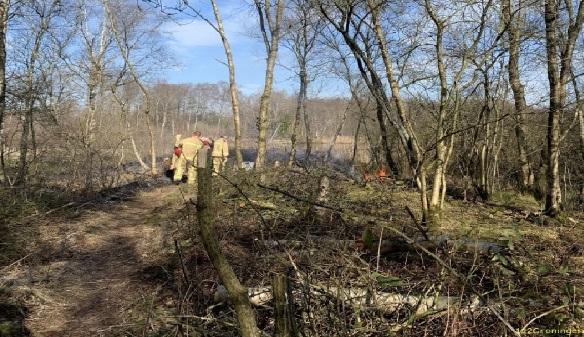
(198, 50)
(198, 53)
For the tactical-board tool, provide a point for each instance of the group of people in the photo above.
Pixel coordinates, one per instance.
(185, 155)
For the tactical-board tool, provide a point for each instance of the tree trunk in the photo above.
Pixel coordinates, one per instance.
(579, 112)
(27, 119)
(518, 89)
(284, 320)
(360, 297)
(153, 165)
(232, 85)
(272, 51)
(93, 85)
(385, 138)
(485, 152)
(559, 71)
(553, 191)
(299, 106)
(403, 124)
(435, 204)
(161, 140)
(238, 294)
(90, 125)
(356, 142)
(22, 162)
(137, 154)
(337, 133)
(4, 8)
(307, 129)
(581, 122)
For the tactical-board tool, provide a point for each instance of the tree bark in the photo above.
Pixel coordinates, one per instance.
(274, 23)
(4, 9)
(356, 141)
(284, 320)
(238, 294)
(232, 85)
(559, 70)
(385, 138)
(299, 107)
(307, 129)
(518, 89)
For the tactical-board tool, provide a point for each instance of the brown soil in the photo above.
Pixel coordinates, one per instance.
(85, 273)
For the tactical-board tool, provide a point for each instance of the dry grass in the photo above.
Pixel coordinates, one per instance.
(113, 270)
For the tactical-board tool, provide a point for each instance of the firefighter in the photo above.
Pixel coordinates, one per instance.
(220, 153)
(190, 146)
(178, 162)
(207, 143)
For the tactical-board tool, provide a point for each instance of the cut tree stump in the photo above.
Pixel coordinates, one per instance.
(283, 308)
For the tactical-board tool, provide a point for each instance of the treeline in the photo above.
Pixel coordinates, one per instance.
(451, 95)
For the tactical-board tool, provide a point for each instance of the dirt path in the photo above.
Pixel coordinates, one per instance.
(89, 271)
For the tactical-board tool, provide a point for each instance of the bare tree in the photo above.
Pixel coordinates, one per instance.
(270, 21)
(233, 91)
(301, 35)
(4, 10)
(232, 84)
(349, 20)
(579, 112)
(95, 45)
(115, 85)
(511, 22)
(46, 12)
(120, 31)
(559, 72)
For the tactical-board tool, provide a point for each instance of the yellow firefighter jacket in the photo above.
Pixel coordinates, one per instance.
(190, 146)
(220, 148)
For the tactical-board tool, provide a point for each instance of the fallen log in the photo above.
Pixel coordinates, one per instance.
(363, 298)
(258, 296)
(261, 204)
(310, 240)
(394, 244)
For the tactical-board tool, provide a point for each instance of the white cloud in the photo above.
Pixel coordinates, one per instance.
(193, 34)
(198, 33)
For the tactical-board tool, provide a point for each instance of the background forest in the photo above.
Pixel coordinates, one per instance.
(457, 129)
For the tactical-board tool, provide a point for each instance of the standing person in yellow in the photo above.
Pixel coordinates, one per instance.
(177, 164)
(190, 146)
(220, 153)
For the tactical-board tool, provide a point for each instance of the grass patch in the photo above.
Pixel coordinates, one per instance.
(518, 200)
